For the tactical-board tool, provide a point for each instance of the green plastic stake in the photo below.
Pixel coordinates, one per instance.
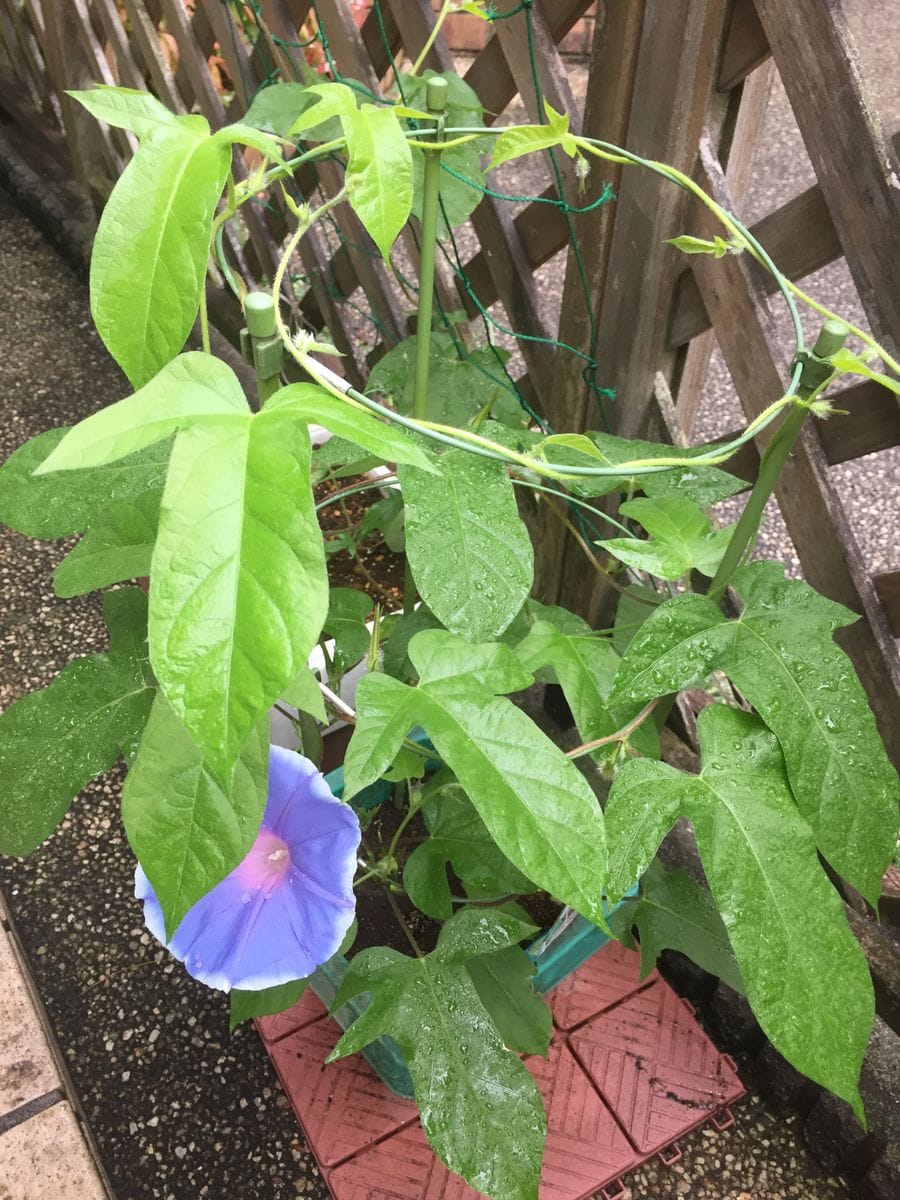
(436, 104)
(262, 345)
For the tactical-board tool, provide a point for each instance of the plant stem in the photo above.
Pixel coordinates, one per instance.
(432, 37)
(621, 735)
(401, 921)
(776, 454)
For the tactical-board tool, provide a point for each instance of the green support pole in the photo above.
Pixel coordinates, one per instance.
(261, 345)
(436, 104)
(816, 370)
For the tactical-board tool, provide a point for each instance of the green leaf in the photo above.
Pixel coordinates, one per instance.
(704, 485)
(303, 692)
(468, 549)
(782, 656)
(331, 100)
(459, 389)
(805, 974)
(395, 655)
(246, 135)
(439, 655)
(308, 402)
(186, 830)
(675, 913)
(379, 173)
(845, 362)
(503, 983)
(681, 538)
(54, 741)
(247, 1005)
(348, 611)
(387, 516)
(238, 591)
(117, 546)
(51, 506)
(479, 1107)
(127, 108)
(526, 139)
(148, 265)
(459, 838)
(194, 388)
(585, 666)
(635, 605)
(536, 805)
(693, 245)
(277, 107)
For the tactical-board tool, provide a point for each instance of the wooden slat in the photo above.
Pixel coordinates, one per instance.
(128, 71)
(675, 82)
(519, 45)
(93, 159)
(887, 587)
(571, 406)
(29, 55)
(744, 118)
(192, 63)
(490, 74)
(812, 511)
(746, 45)
(872, 424)
(145, 39)
(119, 142)
(799, 235)
(233, 51)
(817, 58)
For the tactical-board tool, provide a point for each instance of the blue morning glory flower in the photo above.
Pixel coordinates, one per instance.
(285, 909)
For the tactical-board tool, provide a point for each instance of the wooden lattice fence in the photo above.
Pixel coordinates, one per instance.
(685, 81)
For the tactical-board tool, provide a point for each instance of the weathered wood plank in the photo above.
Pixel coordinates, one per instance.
(146, 39)
(617, 36)
(872, 424)
(192, 63)
(746, 46)
(799, 235)
(742, 123)
(111, 23)
(812, 511)
(818, 62)
(490, 74)
(887, 587)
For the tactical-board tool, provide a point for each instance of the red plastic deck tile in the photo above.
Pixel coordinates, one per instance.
(403, 1167)
(308, 1008)
(627, 1083)
(585, 1149)
(343, 1107)
(605, 979)
(655, 1067)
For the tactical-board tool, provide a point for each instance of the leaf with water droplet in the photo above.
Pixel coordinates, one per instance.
(805, 975)
(479, 1106)
(781, 654)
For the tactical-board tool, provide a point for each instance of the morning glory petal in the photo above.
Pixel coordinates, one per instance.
(284, 910)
